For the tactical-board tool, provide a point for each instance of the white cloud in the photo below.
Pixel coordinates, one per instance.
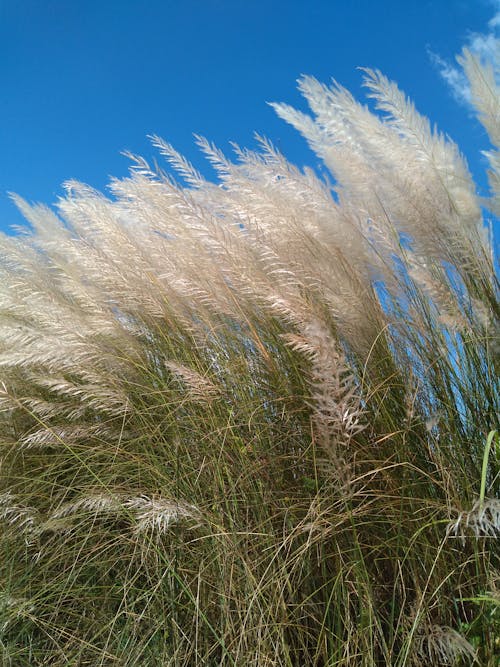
(454, 77)
(486, 45)
(495, 21)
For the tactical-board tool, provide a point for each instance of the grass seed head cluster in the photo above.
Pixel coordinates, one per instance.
(245, 422)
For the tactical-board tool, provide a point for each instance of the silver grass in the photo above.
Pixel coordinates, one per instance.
(441, 645)
(99, 503)
(485, 96)
(152, 515)
(295, 357)
(56, 436)
(362, 150)
(483, 520)
(156, 515)
(17, 515)
(436, 287)
(198, 386)
(484, 91)
(335, 401)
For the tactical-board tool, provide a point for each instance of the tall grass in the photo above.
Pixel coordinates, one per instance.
(253, 422)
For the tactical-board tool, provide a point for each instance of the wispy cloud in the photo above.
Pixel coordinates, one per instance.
(454, 77)
(486, 45)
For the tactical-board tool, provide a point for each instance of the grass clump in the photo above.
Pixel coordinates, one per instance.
(254, 422)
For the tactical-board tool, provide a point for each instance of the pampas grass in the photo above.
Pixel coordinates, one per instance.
(244, 423)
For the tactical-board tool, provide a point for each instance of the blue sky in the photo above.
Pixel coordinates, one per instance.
(83, 80)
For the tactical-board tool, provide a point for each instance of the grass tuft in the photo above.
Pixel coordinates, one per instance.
(244, 423)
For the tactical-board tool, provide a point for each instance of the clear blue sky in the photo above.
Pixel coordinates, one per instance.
(82, 80)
